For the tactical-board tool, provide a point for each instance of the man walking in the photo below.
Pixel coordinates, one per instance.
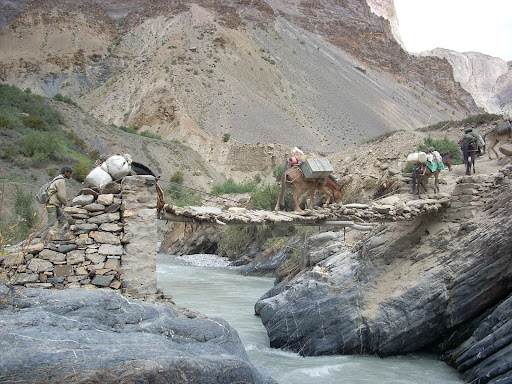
(57, 198)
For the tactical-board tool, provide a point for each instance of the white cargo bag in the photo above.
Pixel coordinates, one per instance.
(97, 178)
(417, 157)
(118, 166)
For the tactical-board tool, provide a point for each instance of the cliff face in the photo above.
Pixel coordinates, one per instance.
(352, 26)
(328, 74)
(485, 77)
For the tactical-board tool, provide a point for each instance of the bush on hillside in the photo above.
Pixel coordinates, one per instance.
(265, 197)
(6, 122)
(182, 196)
(34, 122)
(16, 102)
(41, 146)
(443, 146)
(177, 177)
(483, 118)
(278, 172)
(230, 187)
(80, 171)
(151, 135)
(65, 99)
(27, 215)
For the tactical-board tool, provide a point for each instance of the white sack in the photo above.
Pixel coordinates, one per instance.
(417, 157)
(97, 178)
(118, 166)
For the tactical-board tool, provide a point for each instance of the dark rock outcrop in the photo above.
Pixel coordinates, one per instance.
(435, 284)
(83, 336)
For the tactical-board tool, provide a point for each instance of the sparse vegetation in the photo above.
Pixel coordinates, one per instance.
(25, 212)
(230, 186)
(65, 99)
(180, 195)
(34, 135)
(484, 118)
(443, 146)
(151, 135)
(265, 197)
(380, 137)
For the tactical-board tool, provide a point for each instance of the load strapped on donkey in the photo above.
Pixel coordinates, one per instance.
(427, 164)
(309, 174)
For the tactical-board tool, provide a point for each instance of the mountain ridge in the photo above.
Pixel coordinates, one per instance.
(198, 71)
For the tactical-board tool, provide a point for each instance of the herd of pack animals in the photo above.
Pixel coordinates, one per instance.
(333, 191)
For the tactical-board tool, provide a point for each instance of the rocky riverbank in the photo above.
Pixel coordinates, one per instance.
(93, 336)
(440, 283)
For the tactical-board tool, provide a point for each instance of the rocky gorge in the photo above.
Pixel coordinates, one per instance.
(441, 283)
(230, 87)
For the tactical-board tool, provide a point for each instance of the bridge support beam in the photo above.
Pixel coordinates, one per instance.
(139, 216)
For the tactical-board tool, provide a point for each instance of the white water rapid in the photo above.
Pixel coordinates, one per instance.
(221, 292)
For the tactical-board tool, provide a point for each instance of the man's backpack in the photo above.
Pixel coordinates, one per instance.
(43, 193)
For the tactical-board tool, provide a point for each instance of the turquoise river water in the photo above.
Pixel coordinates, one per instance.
(221, 292)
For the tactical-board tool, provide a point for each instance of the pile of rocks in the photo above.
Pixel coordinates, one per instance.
(87, 255)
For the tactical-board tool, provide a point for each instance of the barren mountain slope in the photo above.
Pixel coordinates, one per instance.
(246, 71)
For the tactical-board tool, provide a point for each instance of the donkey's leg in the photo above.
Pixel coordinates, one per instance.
(327, 192)
(491, 148)
(284, 186)
(295, 196)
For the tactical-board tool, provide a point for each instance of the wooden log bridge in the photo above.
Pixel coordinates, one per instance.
(361, 217)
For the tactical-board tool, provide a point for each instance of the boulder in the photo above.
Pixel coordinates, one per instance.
(84, 336)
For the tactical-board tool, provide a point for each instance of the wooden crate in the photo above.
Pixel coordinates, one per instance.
(316, 168)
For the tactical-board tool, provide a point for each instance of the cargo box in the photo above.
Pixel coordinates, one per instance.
(506, 149)
(316, 168)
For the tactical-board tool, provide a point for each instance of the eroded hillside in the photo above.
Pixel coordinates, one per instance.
(274, 72)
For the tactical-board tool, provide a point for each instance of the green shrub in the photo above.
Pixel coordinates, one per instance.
(182, 196)
(80, 171)
(10, 152)
(177, 177)
(77, 141)
(94, 154)
(53, 172)
(43, 146)
(225, 137)
(132, 130)
(443, 146)
(265, 197)
(278, 172)
(24, 210)
(64, 99)
(151, 135)
(16, 102)
(34, 122)
(230, 187)
(6, 122)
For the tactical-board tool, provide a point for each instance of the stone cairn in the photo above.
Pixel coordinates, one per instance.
(111, 245)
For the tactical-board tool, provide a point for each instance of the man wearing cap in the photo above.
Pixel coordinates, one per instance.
(57, 200)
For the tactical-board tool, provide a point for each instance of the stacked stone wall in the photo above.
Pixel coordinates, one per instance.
(471, 193)
(112, 244)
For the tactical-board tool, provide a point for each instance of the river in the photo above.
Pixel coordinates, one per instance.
(221, 292)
